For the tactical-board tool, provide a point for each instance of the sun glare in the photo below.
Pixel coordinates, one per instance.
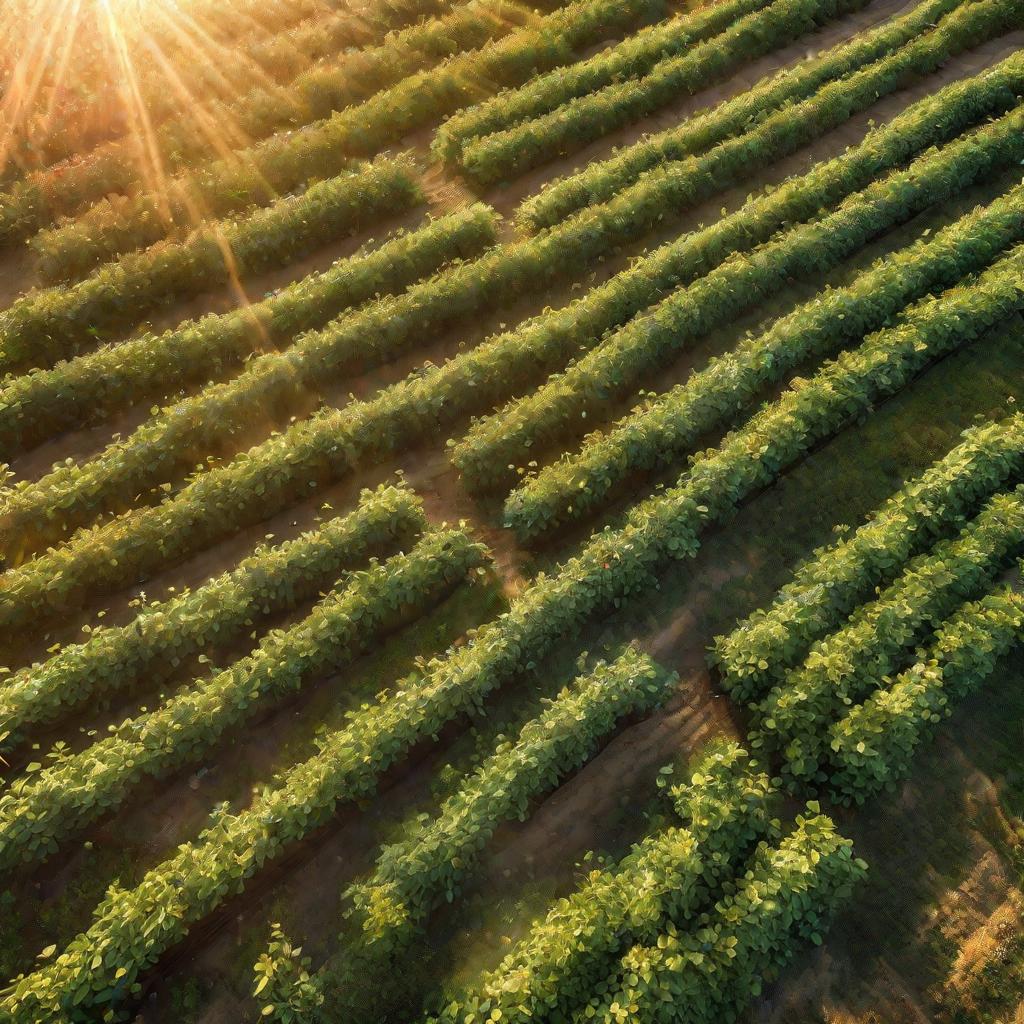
(133, 74)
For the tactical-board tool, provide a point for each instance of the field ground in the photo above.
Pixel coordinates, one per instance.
(935, 932)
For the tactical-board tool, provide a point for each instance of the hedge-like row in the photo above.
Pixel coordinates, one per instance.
(97, 384)
(273, 385)
(66, 253)
(838, 578)
(56, 323)
(617, 564)
(163, 634)
(327, 87)
(844, 668)
(132, 928)
(46, 194)
(872, 745)
(287, 160)
(505, 154)
(412, 877)
(660, 431)
(631, 58)
(735, 117)
(324, 448)
(45, 807)
(322, 40)
(621, 363)
(665, 878)
(613, 566)
(285, 55)
(710, 974)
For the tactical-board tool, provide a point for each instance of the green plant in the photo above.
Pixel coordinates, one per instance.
(414, 876)
(634, 56)
(56, 323)
(47, 805)
(282, 982)
(602, 179)
(872, 745)
(66, 252)
(165, 633)
(708, 974)
(97, 384)
(616, 367)
(325, 448)
(46, 194)
(842, 669)
(836, 579)
(504, 154)
(665, 878)
(661, 430)
(286, 161)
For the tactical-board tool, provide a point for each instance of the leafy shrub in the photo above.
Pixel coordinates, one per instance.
(872, 745)
(165, 633)
(634, 56)
(665, 878)
(39, 405)
(845, 667)
(55, 323)
(286, 161)
(838, 578)
(710, 973)
(412, 877)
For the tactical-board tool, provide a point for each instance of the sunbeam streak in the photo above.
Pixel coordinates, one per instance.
(78, 73)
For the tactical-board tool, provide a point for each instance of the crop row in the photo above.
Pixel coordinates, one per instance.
(205, 67)
(872, 745)
(91, 387)
(505, 154)
(286, 161)
(621, 363)
(132, 927)
(163, 635)
(666, 877)
(412, 877)
(838, 578)
(284, 55)
(329, 86)
(324, 448)
(56, 323)
(602, 179)
(271, 386)
(709, 975)
(659, 432)
(615, 564)
(66, 253)
(753, 148)
(842, 669)
(45, 807)
(634, 56)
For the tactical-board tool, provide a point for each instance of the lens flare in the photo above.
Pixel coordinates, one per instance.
(76, 74)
